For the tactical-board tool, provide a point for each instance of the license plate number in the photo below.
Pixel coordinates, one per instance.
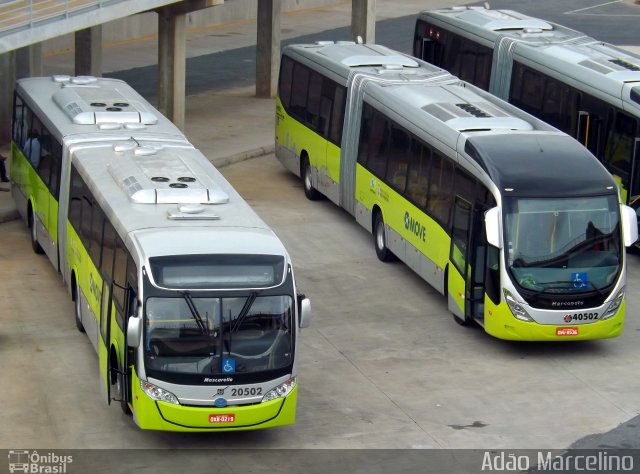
(566, 331)
(227, 418)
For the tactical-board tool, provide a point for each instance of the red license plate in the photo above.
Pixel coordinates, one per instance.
(566, 331)
(228, 418)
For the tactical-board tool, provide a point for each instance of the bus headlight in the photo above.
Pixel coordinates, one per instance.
(157, 393)
(614, 305)
(280, 391)
(516, 308)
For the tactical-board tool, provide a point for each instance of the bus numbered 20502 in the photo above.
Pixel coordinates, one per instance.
(187, 296)
(584, 87)
(514, 221)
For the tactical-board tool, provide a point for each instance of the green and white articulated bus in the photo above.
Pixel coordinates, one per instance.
(514, 221)
(187, 296)
(582, 86)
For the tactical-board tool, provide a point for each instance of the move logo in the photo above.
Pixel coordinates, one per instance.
(415, 227)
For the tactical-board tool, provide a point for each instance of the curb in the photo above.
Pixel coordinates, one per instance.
(242, 156)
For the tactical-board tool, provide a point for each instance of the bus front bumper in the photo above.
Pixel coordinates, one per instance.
(150, 414)
(503, 325)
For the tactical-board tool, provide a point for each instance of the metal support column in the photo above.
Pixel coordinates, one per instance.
(363, 20)
(172, 54)
(7, 79)
(88, 51)
(267, 48)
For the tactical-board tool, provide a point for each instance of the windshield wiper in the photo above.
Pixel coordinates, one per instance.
(244, 311)
(194, 311)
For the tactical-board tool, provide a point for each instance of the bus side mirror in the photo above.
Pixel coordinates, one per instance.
(493, 227)
(134, 330)
(304, 310)
(629, 225)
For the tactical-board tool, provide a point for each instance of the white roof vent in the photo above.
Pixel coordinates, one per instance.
(190, 212)
(83, 80)
(379, 60)
(109, 126)
(60, 78)
(90, 104)
(151, 175)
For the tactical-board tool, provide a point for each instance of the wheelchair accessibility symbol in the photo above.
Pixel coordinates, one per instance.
(228, 366)
(579, 279)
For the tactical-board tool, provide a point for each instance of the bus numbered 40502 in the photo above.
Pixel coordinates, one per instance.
(187, 296)
(519, 225)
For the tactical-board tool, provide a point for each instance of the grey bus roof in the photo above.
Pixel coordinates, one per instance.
(498, 20)
(602, 67)
(86, 105)
(345, 58)
(202, 215)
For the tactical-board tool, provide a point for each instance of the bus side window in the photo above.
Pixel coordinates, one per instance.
(452, 53)
(365, 133)
(484, 58)
(85, 219)
(284, 83)
(326, 105)
(398, 159)
(440, 198)
(418, 176)
(420, 41)
(532, 91)
(119, 270)
(379, 143)
(19, 133)
(75, 200)
(337, 115)
(97, 228)
(312, 115)
(620, 141)
(299, 90)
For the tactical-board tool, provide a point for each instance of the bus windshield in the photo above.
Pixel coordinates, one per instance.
(563, 245)
(207, 335)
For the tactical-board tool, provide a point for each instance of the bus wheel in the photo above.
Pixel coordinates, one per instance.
(34, 233)
(309, 191)
(380, 240)
(78, 307)
(120, 395)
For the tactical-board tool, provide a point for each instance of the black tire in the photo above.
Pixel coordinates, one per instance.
(380, 240)
(77, 306)
(33, 230)
(310, 192)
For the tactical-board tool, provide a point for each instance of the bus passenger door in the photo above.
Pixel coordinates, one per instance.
(106, 312)
(467, 261)
(458, 261)
(634, 185)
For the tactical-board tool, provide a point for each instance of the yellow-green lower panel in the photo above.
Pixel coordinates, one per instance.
(156, 415)
(500, 323)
